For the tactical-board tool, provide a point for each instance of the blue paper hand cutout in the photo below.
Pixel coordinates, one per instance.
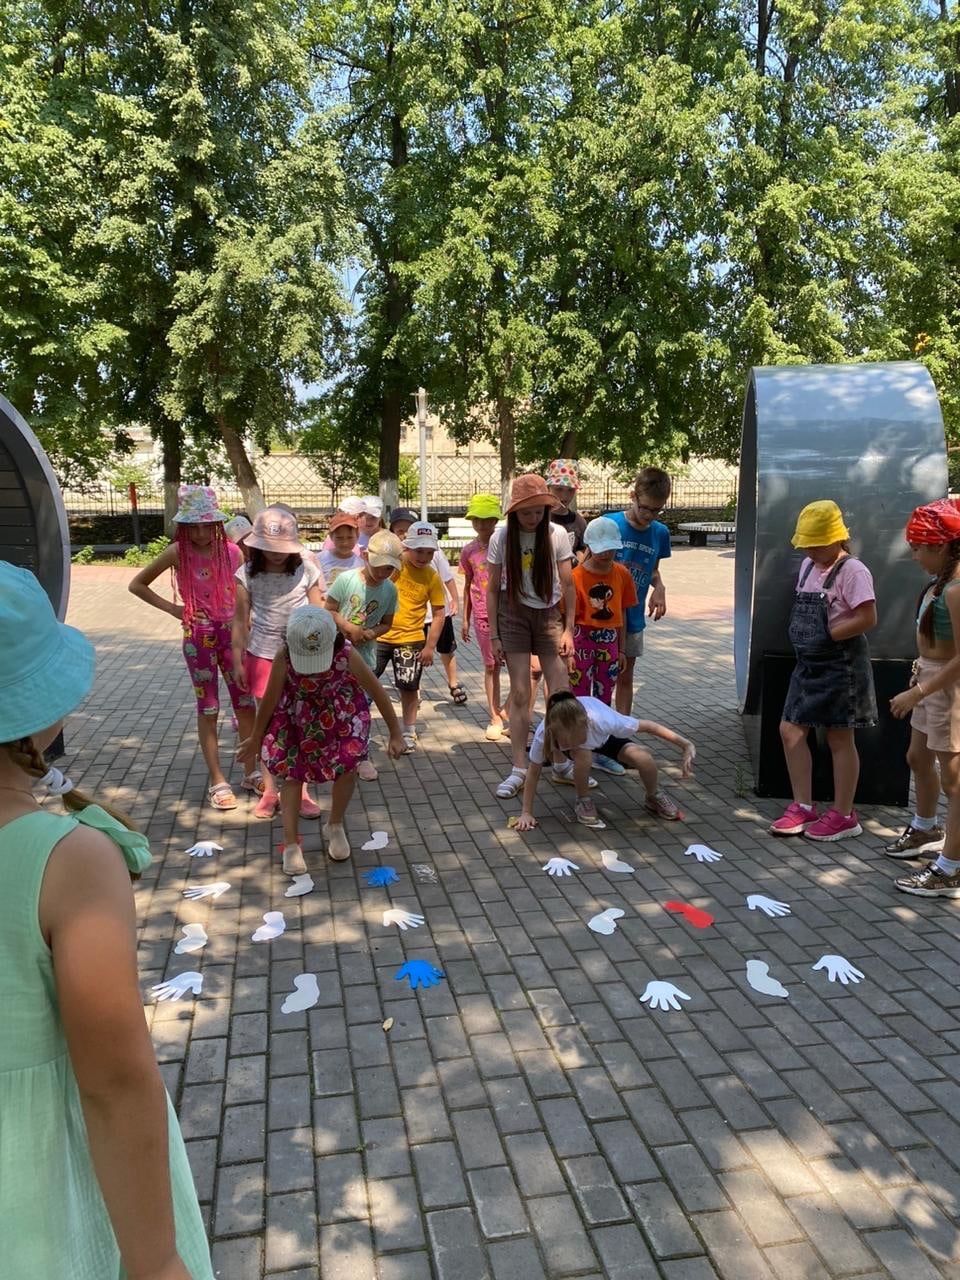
(420, 972)
(380, 876)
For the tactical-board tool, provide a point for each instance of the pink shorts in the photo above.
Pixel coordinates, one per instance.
(257, 671)
(486, 646)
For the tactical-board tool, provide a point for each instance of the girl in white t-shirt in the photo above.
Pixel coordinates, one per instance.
(582, 727)
(279, 577)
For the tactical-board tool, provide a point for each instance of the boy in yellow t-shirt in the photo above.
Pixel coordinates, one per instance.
(418, 584)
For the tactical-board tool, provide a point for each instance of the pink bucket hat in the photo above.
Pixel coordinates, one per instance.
(275, 530)
(564, 473)
(197, 505)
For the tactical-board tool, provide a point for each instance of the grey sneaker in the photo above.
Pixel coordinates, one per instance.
(912, 842)
(293, 863)
(338, 846)
(930, 883)
(586, 812)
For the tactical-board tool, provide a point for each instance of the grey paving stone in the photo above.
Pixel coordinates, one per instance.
(439, 1175)
(499, 1210)
(455, 1245)
(516, 1260)
(240, 1193)
(623, 1254)
(780, 1162)
(332, 1072)
(404, 1266)
(731, 1250)
(201, 1107)
(692, 1182)
(756, 1202)
(238, 1259)
(346, 1252)
(512, 1104)
(663, 1222)
(563, 1241)
(385, 1146)
(288, 1102)
(289, 1159)
(244, 1134)
(246, 1079)
(395, 1214)
(596, 1190)
(341, 1193)
(291, 1238)
(534, 1166)
(202, 1154)
(595, 1093)
(717, 1143)
(566, 1127)
(206, 1061)
(376, 1090)
(902, 1258)
(335, 1126)
(688, 1269)
(477, 1138)
(796, 1262)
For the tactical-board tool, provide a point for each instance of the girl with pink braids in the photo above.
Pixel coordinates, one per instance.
(203, 562)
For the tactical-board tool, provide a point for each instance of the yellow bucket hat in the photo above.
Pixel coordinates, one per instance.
(484, 506)
(819, 524)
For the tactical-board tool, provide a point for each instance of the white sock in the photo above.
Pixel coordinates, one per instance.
(922, 824)
(946, 866)
(807, 808)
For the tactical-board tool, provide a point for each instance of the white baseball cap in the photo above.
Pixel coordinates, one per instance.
(420, 535)
(602, 535)
(311, 633)
(353, 506)
(372, 506)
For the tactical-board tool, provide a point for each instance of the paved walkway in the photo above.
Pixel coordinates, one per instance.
(529, 1116)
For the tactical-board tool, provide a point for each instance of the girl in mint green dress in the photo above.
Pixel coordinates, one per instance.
(94, 1179)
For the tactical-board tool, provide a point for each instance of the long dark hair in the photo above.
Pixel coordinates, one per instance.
(544, 568)
(950, 562)
(258, 562)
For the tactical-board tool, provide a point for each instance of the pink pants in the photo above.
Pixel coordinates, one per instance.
(482, 629)
(596, 653)
(207, 646)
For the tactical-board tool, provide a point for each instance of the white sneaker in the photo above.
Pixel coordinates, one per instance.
(338, 846)
(293, 863)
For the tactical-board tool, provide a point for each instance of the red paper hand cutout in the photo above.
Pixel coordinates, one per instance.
(699, 919)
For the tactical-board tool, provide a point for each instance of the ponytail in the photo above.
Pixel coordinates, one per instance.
(564, 711)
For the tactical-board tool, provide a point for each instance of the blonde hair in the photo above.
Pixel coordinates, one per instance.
(565, 714)
(27, 756)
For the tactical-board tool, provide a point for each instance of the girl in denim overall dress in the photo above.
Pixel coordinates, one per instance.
(832, 683)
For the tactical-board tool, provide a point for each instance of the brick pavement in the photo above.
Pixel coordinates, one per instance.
(529, 1117)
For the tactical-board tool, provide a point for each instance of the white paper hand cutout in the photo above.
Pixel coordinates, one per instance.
(194, 939)
(301, 885)
(305, 994)
(702, 853)
(559, 867)
(207, 890)
(378, 840)
(758, 975)
(272, 927)
(839, 970)
(663, 995)
(769, 906)
(606, 921)
(613, 863)
(405, 919)
(178, 986)
(204, 849)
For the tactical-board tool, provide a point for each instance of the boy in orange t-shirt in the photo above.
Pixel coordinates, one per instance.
(605, 590)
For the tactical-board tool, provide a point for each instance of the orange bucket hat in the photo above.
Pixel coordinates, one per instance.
(531, 491)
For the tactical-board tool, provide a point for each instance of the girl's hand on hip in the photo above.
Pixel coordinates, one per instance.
(395, 746)
(566, 643)
(904, 703)
(526, 822)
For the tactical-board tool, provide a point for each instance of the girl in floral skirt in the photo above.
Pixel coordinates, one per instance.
(313, 724)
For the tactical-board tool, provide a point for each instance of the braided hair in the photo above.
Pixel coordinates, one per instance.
(950, 562)
(223, 586)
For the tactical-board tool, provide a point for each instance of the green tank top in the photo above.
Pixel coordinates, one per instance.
(942, 626)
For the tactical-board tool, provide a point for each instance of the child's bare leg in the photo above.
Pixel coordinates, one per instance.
(926, 780)
(290, 811)
(209, 747)
(518, 668)
(342, 791)
(408, 709)
(449, 661)
(799, 761)
(846, 768)
(491, 687)
(623, 696)
(633, 756)
(582, 760)
(536, 674)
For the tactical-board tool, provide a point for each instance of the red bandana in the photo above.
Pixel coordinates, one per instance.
(936, 523)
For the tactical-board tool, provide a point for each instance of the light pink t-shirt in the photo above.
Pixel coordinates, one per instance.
(852, 587)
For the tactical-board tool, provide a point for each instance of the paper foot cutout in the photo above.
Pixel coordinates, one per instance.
(380, 876)
(559, 867)
(839, 970)
(405, 919)
(272, 927)
(378, 840)
(612, 863)
(194, 939)
(769, 906)
(304, 995)
(301, 885)
(178, 986)
(419, 973)
(424, 873)
(204, 849)
(663, 995)
(207, 890)
(606, 921)
(758, 975)
(702, 853)
(699, 919)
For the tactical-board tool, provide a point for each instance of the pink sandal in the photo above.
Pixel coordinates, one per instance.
(221, 796)
(267, 805)
(254, 783)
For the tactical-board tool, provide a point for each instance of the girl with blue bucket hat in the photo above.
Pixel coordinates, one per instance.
(93, 1170)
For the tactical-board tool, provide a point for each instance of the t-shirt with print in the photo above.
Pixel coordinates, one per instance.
(575, 525)
(602, 723)
(365, 604)
(603, 598)
(273, 597)
(473, 557)
(852, 587)
(203, 592)
(416, 588)
(497, 552)
(642, 550)
(333, 565)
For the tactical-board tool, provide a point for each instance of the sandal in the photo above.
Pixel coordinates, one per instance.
(512, 784)
(221, 796)
(253, 783)
(564, 778)
(458, 693)
(586, 812)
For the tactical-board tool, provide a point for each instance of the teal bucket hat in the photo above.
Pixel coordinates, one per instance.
(46, 667)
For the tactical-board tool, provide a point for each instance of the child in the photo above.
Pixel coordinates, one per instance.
(933, 532)
(447, 642)
(832, 684)
(405, 645)
(203, 562)
(605, 591)
(344, 534)
(529, 568)
(237, 530)
(278, 579)
(646, 541)
(313, 725)
(483, 513)
(363, 602)
(563, 481)
(369, 520)
(92, 1164)
(579, 726)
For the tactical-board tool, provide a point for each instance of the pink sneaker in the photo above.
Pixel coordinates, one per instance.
(834, 826)
(267, 805)
(795, 820)
(309, 808)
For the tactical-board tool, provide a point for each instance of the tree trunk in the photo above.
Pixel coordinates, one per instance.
(508, 446)
(171, 444)
(391, 420)
(243, 470)
(568, 445)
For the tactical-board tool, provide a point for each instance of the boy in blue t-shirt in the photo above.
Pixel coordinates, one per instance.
(645, 543)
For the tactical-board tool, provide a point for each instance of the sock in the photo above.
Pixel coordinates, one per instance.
(409, 728)
(807, 808)
(565, 766)
(922, 824)
(946, 866)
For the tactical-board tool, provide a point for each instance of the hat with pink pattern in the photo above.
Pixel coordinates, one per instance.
(564, 473)
(197, 504)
